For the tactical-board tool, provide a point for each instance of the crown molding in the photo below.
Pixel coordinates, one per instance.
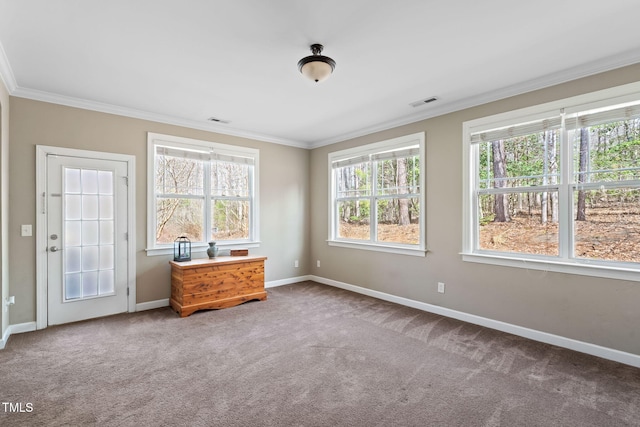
(38, 95)
(585, 70)
(574, 73)
(6, 73)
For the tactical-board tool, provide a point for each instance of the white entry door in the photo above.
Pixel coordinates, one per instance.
(86, 217)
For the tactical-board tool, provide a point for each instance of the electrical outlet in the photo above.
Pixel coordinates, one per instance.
(441, 287)
(295, 264)
(318, 263)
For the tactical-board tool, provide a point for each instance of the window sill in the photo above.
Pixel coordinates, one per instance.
(580, 267)
(202, 248)
(402, 250)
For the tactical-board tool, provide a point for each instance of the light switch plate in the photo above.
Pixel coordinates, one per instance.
(26, 230)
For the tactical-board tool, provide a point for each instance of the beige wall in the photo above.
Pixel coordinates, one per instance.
(284, 193)
(294, 206)
(594, 310)
(4, 205)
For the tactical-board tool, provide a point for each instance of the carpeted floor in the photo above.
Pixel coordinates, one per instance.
(310, 355)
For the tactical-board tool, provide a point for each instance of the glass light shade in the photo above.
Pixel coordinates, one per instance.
(316, 67)
(317, 70)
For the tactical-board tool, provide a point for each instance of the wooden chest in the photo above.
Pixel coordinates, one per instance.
(219, 282)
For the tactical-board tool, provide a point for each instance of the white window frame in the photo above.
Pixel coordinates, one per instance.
(563, 263)
(367, 150)
(154, 140)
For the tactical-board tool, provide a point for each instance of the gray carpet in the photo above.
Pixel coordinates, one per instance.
(310, 355)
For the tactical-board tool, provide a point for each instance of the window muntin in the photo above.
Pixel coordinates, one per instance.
(513, 215)
(606, 144)
(376, 194)
(352, 179)
(606, 183)
(567, 191)
(520, 162)
(201, 190)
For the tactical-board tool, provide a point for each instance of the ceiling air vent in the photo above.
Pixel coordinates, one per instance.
(424, 101)
(217, 120)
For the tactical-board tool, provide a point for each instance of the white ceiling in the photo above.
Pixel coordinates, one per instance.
(185, 61)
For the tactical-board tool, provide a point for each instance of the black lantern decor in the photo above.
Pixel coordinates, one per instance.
(182, 249)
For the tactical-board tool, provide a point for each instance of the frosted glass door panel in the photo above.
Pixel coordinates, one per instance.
(89, 250)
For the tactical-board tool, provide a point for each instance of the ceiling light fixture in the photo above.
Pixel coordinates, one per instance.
(316, 67)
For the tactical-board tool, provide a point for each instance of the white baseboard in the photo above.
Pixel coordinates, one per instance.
(16, 329)
(583, 347)
(22, 327)
(150, 305)
(5, 338)
(289, 281)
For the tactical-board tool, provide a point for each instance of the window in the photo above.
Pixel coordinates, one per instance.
(377, 194)
(202, 190)
(557, 186)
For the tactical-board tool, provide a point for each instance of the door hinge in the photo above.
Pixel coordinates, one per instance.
(126, 236)
(127, 291)
(126, 180)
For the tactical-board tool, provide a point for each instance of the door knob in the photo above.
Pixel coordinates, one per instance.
(54, 249)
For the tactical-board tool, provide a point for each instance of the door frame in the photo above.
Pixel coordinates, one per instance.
(42, 151)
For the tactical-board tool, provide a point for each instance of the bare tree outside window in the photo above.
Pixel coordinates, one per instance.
(581, 214)
(501, 204)
(201, 196)
(175, 215)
